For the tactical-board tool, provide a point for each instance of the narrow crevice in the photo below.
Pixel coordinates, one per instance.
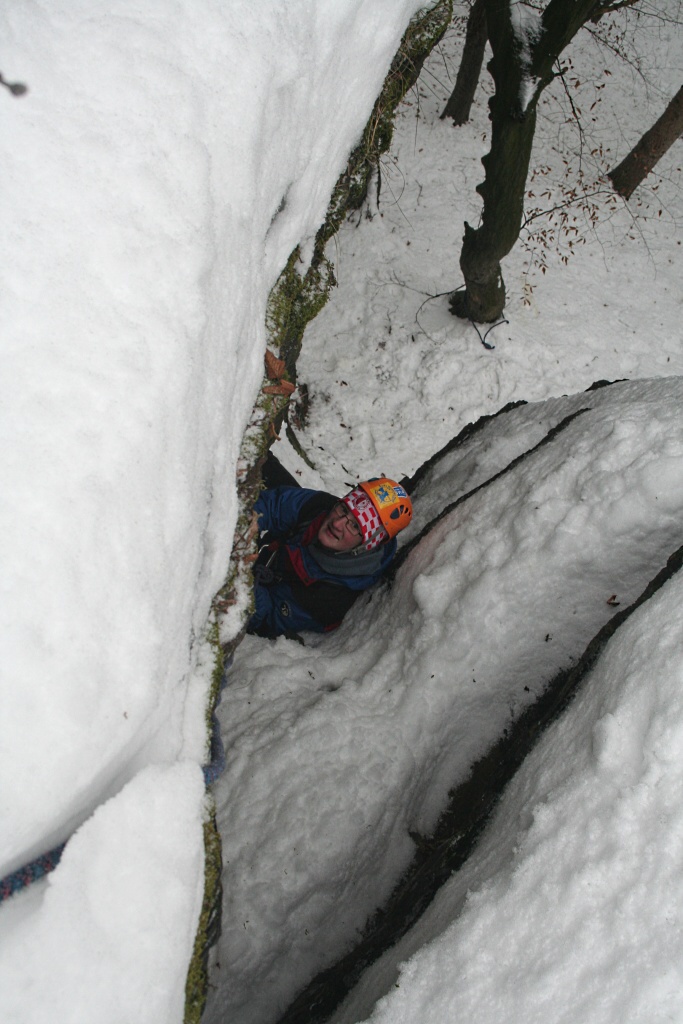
(550, 436)
(460, 826)
(468, 431)
(411, 483)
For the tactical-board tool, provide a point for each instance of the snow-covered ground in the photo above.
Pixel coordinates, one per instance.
(143, 183)
(393, 375)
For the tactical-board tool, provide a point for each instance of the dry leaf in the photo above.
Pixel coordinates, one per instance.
(283, 387)
(275, 368)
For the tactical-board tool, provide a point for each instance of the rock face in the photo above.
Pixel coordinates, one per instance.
(536, 534)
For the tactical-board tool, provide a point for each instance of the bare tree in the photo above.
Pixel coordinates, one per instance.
(656, 141)
(526, 46)
(460, 101)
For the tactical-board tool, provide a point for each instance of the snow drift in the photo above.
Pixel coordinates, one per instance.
(141, 191)
(157, 174)
(547, 519)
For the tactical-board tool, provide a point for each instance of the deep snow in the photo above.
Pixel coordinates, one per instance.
(338, 751)
(571, 908)
(144, 179)
(393, 377)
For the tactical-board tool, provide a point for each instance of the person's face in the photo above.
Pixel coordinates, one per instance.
(340, 530)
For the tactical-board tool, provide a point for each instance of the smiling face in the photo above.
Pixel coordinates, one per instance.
(340, 530)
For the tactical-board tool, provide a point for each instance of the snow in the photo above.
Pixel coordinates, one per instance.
(142, 851)
(530, 562)
(156, 176)
(572, 909)
(527, 28)
(142, 175)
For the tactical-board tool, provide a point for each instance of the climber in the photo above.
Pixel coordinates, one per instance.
(319, 552)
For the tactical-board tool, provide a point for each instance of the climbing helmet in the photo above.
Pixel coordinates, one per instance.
(381, 507)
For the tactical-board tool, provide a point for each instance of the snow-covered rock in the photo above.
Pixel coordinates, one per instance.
(544, 523)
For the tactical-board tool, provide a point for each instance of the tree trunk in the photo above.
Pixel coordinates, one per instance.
(627, 176)
(521, 67)
(506, 165)
(460, 101)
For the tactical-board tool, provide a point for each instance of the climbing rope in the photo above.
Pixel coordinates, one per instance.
(38, 868)
(47, 862)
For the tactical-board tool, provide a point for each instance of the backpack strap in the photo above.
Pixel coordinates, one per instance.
(264, 567)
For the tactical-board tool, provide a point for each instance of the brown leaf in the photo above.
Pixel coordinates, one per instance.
(283, 387)
(275, 368)
(253, 528)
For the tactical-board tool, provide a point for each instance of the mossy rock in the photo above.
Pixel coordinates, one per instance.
(209, 929)
(298, 297)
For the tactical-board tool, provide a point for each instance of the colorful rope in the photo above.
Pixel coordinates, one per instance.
(43, 865)
(30, 873)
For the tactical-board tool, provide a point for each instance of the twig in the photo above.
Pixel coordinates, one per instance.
(482, 338)
(568, 202)
(439, 295)
(560, 74)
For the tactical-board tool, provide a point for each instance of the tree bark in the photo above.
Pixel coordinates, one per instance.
(521, 67)
(506, 166)
(628, 175)
(460, 101)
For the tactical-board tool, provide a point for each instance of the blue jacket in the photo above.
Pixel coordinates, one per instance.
(299, 584)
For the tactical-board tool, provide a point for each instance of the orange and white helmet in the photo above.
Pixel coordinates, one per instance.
(381, 507)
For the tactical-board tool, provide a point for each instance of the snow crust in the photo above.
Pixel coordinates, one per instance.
(141, 188)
